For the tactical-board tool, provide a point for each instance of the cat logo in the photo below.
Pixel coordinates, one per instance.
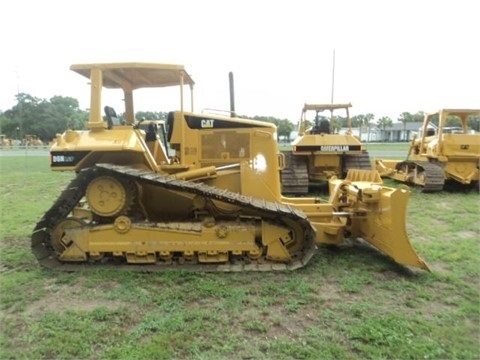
(206, 123)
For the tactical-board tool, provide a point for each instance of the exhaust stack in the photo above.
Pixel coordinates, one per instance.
(232, 95)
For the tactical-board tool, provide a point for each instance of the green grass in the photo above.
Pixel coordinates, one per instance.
(347, 303)
(388, 146)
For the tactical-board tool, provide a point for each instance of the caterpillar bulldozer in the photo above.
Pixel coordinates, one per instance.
(440, 153)
(32, 140)
(319, 154)
(4, 141)
(209, 201)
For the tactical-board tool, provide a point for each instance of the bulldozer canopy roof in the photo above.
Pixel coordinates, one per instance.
(460, 112)
(137, 75)
(322, 107)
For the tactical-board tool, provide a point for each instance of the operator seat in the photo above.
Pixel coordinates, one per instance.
(151, 134)
(324, 127)
(112, 118)
(170, 119)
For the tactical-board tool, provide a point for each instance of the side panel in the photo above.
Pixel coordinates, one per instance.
(122, 145)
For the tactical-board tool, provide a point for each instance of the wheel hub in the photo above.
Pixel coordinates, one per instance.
(106, 196)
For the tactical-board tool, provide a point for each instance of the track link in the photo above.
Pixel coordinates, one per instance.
(45, 254)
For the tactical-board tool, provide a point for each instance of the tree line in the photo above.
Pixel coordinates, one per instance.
(45, 118)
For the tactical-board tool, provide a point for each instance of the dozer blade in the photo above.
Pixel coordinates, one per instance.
(385, 167)
(384, 226)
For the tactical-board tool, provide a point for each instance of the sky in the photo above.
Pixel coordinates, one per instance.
(390, 56)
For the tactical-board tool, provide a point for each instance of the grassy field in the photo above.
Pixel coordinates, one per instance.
(348, 303)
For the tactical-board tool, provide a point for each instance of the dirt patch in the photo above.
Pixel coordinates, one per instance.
(330, 293)
(63, 298)
(386, 275)
(53, 304)
(467, 234)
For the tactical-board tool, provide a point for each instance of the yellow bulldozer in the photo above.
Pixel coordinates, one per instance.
(439, 154)
(319, 152)
(4, 141)
(210, 201)
(32, 140)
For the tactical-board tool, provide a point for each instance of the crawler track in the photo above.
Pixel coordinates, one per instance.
(46, 255)
(423, 173)
(295, 177)
(360, 161)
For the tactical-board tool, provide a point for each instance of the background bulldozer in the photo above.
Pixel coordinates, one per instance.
(439, 154)
(32, 140)
(319, 153)
(4, 141)
(211, 200)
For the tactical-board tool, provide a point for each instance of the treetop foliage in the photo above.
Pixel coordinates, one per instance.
(40, 117)
(46, 118)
